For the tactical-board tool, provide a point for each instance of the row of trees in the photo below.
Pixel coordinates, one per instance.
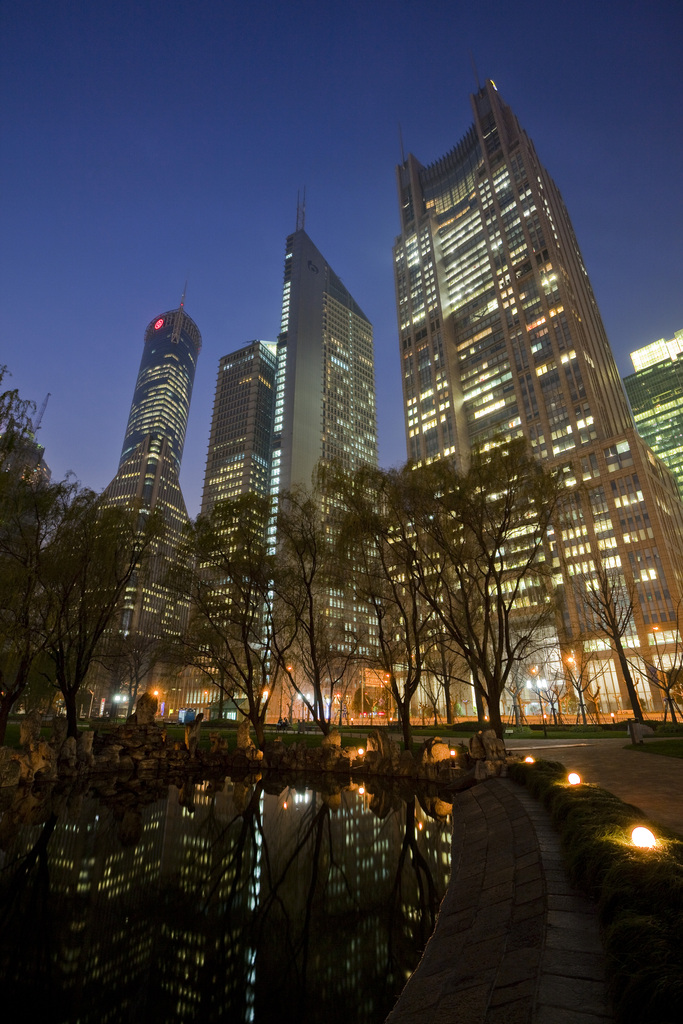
(65, 563)
(419, 575)
(416, 574)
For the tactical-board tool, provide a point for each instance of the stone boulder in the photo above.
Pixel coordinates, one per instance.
(145, 710)
(244, 740)
(486, 746)
(192, 730)
(435, 751)
(29, 729)
(10, 768)
(383, 755)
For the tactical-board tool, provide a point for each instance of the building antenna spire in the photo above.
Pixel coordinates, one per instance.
(474, 69)
(182, 299)
(400, 142)
(301, 212)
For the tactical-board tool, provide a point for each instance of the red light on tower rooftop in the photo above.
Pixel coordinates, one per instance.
(158, 324)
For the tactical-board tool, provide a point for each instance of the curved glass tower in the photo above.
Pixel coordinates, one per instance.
(147, 477)
(163, 390)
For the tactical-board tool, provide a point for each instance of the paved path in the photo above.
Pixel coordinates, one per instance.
(652, 783)
(514, 943)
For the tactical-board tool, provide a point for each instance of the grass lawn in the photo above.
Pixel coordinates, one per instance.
(668, 748)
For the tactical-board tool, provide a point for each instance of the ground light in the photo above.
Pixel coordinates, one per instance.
(529, 759)
(361, 751)
(453, 753)
(643, 837)
(573, 779)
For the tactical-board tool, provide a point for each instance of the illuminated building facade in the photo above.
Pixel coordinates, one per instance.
(655, 391)
(147, 478)
(325, 394)
(238, 460)
(161, 401)
(500, 335)
(325, 398)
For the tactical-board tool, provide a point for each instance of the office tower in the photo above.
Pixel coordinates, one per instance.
(147, 478)
(238, 460)
(325, 398)
(500, 335)
(161, 400)
(655, 392)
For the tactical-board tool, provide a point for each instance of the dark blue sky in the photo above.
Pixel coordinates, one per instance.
(143, 143)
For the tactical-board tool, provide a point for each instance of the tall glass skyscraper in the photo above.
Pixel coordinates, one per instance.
(161, 401)
(238, 460)
(500, 335)
(655, 391)
(148, 476)
(325, 398)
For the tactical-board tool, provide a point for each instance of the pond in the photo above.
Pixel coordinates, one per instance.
(217, 900)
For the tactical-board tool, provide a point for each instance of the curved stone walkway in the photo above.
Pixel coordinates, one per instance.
(514, 943)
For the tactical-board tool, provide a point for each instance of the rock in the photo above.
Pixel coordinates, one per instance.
(477, 748)
(84, 749)
(382, 752)
(192, 730)
(67, 755)
(494, 747)
(244, 740)
(406, 763)
(219, 744)
(10, 769)
(29, 730)
(434, 751)
(145, 710)
(333, 739)
(59, 728)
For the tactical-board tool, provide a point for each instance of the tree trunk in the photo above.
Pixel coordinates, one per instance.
(495, 722)
(632, 695)
(71, 713)
(5, 708)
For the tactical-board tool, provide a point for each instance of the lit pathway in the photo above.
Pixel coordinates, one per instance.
(514, 943)
(653, 784)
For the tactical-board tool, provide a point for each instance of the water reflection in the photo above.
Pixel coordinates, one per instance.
(231, 900)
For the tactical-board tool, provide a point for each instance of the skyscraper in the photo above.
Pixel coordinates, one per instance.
(147, 478)
(500, 335)
(325, 398)
(655, 392)
(238, 460)
(161, 400)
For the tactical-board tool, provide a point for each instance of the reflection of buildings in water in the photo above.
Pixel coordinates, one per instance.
(351, 876)
(221, 902)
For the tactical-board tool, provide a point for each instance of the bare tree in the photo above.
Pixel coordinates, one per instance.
(378, 540)
(484, 561)
(228, 575)
(315, 642)
(88, 562)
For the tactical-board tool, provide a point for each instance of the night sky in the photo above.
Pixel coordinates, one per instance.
(146, 143)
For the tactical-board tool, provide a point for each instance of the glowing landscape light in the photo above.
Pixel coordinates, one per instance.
(573, 779)
(642, 837)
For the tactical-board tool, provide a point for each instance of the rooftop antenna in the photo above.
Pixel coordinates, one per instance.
(178, 324)
(400, 142)
(474, 69)
(301, 212)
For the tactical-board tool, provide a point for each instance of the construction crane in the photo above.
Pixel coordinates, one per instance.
(37, 421)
